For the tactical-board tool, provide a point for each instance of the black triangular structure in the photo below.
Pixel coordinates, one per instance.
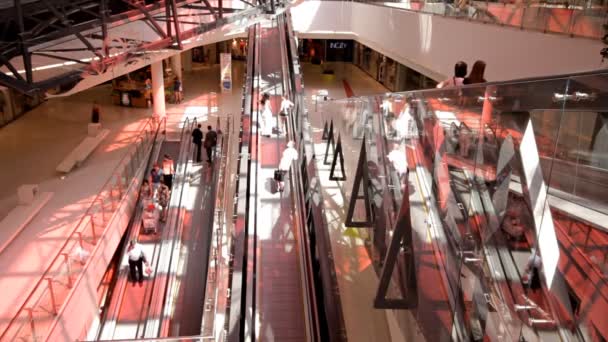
(401, 239)
(326, 131)
(338, 157)
(330, 141)
(361, 179)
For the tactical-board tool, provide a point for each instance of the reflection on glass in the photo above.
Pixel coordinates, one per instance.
(513, 230)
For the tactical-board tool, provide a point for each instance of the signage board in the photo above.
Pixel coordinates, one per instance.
(226, 72)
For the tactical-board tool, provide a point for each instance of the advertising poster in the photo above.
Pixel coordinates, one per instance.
(226, 72)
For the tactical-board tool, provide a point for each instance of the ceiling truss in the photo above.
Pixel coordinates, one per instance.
(27, 30)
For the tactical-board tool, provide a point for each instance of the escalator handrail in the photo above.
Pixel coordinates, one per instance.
(132, 224)
(185, 156)
(295, 180)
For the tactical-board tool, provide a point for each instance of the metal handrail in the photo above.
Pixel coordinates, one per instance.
(219, 226)
(164, 339)
(299, 203)
(129, 233)
(162, 324)
(88, 215)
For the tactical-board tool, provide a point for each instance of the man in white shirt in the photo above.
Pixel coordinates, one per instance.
(137, 259)
(289, 155)
(399, 160)
(286, 106)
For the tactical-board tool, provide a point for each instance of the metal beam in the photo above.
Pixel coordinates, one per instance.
(248, 3)
(9, 82)
(65, 21)
(104, 27)
(27, 61)
(145, 12)
(178, 33)
(210, 8)
(59, 57)
(10, 67)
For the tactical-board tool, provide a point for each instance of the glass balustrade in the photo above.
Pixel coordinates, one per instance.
(506, 185)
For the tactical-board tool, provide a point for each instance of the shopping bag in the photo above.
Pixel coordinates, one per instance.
(148, 270)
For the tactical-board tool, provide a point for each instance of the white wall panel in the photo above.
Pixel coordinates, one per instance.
(432, 44)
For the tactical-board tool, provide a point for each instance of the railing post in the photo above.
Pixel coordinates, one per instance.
(53, 303)
(30, 316)
(69, 271)
(80, 240)
(93, 229)
(103, 209)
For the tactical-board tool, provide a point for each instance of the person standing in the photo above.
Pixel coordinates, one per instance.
(460, 72)
(476, 75)
(156, 174)
(266, 117)
(289, 155)
(146, 191)
(164, 194)
(95, 113)
(137, 259)
(197, 139)
(286, 106)
(210, 142)
(177, 90)
(148, 92)
(168, 171)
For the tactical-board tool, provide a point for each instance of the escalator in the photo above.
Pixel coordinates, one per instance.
(139, 310)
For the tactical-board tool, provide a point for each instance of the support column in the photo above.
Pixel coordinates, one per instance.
(187, 60)
(176, 65)
(158, 89)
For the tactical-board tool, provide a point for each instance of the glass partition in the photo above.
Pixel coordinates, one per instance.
(504, 183)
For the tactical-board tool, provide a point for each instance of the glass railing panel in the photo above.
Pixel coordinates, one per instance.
(515, 173)
(578, 183)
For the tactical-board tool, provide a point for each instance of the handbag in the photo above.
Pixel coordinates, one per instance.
(278, 175)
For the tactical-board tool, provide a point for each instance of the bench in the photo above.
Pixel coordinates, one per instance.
(18, 218)
(82, 151)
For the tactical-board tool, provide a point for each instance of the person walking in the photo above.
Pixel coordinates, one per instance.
(266, 117)
(289, 155)
(137, 259)
(286, 106)
(460, 72)
(95, 113)
(210, 142)
(168, 171)
(197, 139)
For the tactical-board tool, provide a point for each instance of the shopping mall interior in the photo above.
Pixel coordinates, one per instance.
(268, 170)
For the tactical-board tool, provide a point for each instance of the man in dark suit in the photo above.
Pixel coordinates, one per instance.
(197, 139)
(210, 142)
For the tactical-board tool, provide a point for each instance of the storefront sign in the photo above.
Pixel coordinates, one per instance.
(226, 72)
(338, 45)
(339, 50)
